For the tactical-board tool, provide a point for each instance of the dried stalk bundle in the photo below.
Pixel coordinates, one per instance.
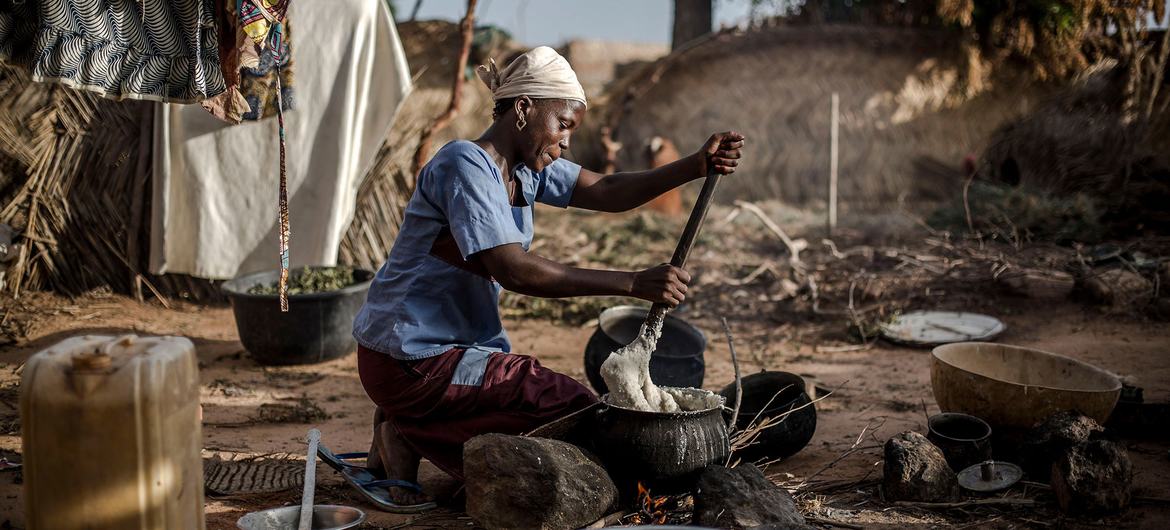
(71, 163)
(75, 178)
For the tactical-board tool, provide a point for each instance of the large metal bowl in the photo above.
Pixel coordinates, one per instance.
(325, 517)
(1010, 386)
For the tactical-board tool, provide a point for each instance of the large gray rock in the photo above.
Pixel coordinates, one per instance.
(1049, 440)
(916, 470)
(519, 482)
(1093, 478)
(742, 497)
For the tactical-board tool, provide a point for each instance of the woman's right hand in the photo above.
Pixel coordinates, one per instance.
(664, 283)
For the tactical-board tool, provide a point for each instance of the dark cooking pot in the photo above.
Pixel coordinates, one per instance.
(677, 362)
(665, 451)
(767, 395)
(964, 440)
(317, 327)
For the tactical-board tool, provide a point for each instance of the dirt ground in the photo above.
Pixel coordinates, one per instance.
(879, 391)
(881, 388)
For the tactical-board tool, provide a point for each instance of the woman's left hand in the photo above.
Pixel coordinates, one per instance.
(721, 153)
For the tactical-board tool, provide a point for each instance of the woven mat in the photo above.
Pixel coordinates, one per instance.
(250, 475)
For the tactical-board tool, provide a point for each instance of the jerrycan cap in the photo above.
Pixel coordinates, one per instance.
(97, 361)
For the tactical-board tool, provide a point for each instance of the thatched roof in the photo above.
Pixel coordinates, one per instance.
(72, 184)
(75, 181)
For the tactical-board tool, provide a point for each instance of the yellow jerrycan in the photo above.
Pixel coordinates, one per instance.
(111, 434)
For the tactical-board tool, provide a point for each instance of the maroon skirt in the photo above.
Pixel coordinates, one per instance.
(438, 403)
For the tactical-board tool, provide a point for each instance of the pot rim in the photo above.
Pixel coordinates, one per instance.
(680, 414)
(932, 420)
(238, 287)
(619, 311)
(937, 354)
(775, 407)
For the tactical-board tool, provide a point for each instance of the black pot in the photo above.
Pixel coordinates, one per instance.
(665, 451)
(791, 434)
(317, 327)
(677, 362)
(964, 440)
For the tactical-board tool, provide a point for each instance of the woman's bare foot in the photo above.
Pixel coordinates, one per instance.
(400, 462)
(373, 458)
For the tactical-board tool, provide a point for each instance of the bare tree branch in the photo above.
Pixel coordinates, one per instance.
(424, 144)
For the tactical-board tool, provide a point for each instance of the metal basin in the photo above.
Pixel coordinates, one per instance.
(325, 517)
(1010, 386)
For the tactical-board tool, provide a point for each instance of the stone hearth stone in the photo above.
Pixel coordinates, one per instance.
(742, 497)
(520, 482)
(1093, 478)
(916, 470)
(1051, 438)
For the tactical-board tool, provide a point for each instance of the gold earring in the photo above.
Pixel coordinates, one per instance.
(521, 122)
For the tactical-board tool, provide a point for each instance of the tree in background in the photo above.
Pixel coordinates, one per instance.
(692, 19)
(1055, 39)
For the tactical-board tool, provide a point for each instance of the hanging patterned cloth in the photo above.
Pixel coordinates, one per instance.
(161, 50)
(251, 74)
(263, 22)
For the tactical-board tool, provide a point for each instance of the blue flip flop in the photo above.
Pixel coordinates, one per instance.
(372, 487)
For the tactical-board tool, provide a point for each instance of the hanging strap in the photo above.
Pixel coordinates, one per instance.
(283, 201)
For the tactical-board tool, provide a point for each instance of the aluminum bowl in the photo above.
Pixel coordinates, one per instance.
(325, 517)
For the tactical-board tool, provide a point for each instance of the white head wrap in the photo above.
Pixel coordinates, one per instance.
(539, 74)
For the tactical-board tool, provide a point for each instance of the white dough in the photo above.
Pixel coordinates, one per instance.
(627, 374)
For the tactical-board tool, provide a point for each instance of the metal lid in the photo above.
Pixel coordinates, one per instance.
(933, 328)
(990, 476)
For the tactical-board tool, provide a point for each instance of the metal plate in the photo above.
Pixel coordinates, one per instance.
(934, 328)
(1003, 476)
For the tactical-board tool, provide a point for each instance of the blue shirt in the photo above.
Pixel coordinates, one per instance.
(432, 295)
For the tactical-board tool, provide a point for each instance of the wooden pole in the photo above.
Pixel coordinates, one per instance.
(833, 166)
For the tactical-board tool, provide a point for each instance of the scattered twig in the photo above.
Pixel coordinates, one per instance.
(967, 204)
(794, 246)
(609, 520)
(980, 523)
(843, 349)
(833, 248)
(852, 449)
(765, 266)
(830, 522)
(748, 436)
(966, 504)
(738, 379)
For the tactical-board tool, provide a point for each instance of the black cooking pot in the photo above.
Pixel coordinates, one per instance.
(964, 440)
(768, 395)
(676, 362)
(317, 327)
(665, 451)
